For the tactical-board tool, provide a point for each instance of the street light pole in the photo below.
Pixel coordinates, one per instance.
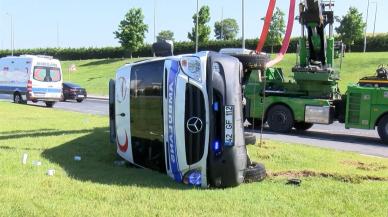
(243, 24)
(12, 34)
(374, 23)
(366, 26)
(222, 23)
(57, 35)
(154, 20)
(196, 29)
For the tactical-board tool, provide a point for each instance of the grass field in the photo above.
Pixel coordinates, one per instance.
(333, 183)
(95, 74)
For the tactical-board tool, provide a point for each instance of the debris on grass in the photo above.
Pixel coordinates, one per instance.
(119, 163)
(294, 181)
(50, 172)
(37, 163)
(77, 158)
(24, 158)
(335, 176)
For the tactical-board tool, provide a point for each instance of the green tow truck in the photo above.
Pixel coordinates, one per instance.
(314, 96)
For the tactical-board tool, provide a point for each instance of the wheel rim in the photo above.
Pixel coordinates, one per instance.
(280, 117)
(17, 98)
(386, 129)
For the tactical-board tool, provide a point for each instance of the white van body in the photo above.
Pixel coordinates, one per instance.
(31, 78)
(182, 116)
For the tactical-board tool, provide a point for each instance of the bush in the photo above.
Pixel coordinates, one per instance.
(378, 43)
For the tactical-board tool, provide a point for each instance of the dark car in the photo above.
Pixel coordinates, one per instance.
(74, 92)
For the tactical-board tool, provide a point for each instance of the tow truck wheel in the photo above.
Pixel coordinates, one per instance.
(255, 172)
(280, 119)
(302, 126)
(382, 129)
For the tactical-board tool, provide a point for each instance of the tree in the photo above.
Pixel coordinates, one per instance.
(165, 35)
(351, 27)
(226, 29)
(277, 29)
(132, 29)
(203, 29)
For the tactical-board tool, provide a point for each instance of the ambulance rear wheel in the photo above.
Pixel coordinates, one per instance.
(49, 104)
(250, 139)
(17, 98)
(252, 61)
(255, 172)
(382, 129)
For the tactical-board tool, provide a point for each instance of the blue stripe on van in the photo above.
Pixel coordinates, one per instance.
(11, 89)
(172, 149)
(46, 90)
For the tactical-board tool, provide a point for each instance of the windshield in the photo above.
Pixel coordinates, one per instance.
(146, 111)
(47, 74)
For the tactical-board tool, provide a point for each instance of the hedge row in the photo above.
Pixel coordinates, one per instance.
(375, 44)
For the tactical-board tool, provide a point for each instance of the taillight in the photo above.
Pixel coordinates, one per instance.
(29, 86)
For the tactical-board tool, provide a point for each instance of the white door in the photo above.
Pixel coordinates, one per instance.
(123, 132)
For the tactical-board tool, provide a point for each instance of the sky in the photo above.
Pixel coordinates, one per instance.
(91, 23)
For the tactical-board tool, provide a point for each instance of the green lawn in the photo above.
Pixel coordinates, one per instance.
(333, 183)
(95, 74)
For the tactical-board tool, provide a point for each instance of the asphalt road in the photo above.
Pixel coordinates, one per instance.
(333, 136)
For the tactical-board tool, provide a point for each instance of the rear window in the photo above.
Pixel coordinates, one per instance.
(47, 74)
(71, 85)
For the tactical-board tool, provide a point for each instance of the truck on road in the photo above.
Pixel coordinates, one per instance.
(313, 97)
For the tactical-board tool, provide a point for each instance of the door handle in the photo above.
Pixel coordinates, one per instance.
(122, 114)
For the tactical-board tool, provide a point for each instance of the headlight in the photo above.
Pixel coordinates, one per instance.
(191, 66)
(193, 177)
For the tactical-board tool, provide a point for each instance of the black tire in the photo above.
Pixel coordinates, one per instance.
(250, 139)
(17, 98)
(302, 126)
(80, 100)
(49, 104)
(252, 61)
(255, 172)
(112, 115)
(382, 129)
(280, 119)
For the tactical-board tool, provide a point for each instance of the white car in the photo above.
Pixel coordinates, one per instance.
(182, 116)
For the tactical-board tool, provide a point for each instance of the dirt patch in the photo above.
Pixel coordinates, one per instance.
(365, 166)
(338, 177)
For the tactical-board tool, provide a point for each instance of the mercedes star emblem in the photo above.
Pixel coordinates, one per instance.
(194, 125)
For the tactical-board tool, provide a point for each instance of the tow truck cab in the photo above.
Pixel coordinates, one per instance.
(182, 116)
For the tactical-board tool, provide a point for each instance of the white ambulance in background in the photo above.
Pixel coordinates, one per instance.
(31, 78)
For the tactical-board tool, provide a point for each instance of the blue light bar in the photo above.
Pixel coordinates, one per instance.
(216, 106)
(217, 148)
